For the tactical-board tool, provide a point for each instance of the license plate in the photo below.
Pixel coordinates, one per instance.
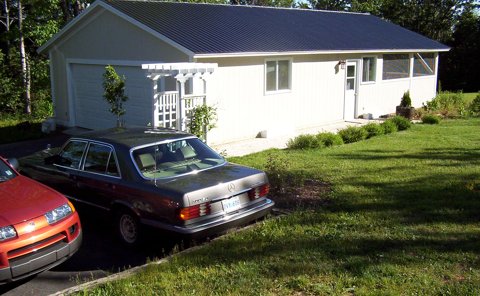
(231, 204)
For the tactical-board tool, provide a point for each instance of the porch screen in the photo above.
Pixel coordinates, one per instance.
(423, 64)
(396, 66)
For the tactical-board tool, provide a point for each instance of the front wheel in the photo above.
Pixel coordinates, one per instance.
(128, 228)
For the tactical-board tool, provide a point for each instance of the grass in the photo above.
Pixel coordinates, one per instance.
(13, 129)
(468, 97)
(402, 219)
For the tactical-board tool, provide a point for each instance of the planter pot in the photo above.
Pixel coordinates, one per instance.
(407, 112)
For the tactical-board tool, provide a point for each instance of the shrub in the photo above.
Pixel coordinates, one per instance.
(475, 106)
(373, 130)
(401, 122)
(280, 175)
(447, 104)
(352, 134)
(388, 126)
(431, 119)
(329, 139)
(406, 100)
(304, 142)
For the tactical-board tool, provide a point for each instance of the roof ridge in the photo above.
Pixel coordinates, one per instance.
(243, 6)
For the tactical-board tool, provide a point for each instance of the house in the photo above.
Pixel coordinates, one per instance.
(265, 70)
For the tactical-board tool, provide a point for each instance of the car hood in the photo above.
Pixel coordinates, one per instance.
(22, 199)
(216, 183)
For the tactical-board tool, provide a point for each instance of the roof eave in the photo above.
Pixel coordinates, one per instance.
(109, 8)
(313, 52)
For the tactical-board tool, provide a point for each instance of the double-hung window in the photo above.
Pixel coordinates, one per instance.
(278, 75)
(369, 69)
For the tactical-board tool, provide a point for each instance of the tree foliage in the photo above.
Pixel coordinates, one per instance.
(41, 19)
(114, 94)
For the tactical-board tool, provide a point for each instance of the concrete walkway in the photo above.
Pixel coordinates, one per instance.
(245, 147)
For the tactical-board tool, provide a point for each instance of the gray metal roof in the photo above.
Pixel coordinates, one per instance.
(224, 29)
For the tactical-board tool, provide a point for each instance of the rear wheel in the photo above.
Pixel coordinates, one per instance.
(128, 228)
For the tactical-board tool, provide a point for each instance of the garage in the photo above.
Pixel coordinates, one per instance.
(91, 109)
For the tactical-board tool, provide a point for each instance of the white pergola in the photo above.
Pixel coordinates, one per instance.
(173, 107)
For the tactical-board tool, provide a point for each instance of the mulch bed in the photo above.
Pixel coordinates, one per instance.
(311, 195)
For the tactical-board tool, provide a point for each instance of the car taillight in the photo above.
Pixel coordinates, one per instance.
(194, 211)
(258, 192)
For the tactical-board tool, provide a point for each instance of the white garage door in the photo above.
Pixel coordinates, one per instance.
(91, 109)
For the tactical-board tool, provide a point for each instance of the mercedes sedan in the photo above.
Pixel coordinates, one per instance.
(157, 177)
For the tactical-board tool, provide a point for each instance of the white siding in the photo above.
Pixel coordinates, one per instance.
(244, 109)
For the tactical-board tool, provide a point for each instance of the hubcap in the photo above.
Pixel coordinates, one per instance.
(128, 228)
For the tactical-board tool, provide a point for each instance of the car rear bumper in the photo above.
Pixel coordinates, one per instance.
(41, 260)
(219, 223)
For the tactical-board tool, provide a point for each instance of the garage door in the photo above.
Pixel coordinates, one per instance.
(91, 109)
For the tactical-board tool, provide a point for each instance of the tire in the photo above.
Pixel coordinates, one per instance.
(128, 228)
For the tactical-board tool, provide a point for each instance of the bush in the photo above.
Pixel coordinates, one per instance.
(353, 134)
(304, 142)
(406, 100)
(447, 104)
(373, 130)
(388, 126)
(475, 106)
(401, 122)
(431, 119)
(329, 139)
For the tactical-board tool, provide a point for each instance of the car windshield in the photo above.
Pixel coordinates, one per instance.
(6, 173)
(175, 158)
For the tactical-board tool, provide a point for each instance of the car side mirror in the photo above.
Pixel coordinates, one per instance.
(14, 163)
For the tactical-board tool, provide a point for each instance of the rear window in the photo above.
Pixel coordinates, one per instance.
(175, 158)
(6, 173)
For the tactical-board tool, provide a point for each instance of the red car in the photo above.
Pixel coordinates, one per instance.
(39, 228)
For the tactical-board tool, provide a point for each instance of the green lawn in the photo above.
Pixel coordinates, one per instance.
(17, 129)
(403, 218)
(468, 97)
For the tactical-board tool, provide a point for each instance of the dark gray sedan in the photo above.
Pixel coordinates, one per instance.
(157, 177)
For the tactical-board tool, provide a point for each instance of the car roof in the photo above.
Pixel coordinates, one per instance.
(132, 137)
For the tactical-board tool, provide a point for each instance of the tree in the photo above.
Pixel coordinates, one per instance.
(459, 67)
(339, 5)
(114, 94)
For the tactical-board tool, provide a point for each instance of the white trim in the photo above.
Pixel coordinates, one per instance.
(70, 95)
(121, 15)
(52, 84)
(128, 63)
(326, 52)
(290, 75)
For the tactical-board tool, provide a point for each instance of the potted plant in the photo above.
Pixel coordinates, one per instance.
(405, 108)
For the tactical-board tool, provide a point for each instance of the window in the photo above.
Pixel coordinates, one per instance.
(369, 69)
(165, 160)
(101, 160)
(277, 75)
(423, 64)
(351, 77)
(396, 66)
(71, 155)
